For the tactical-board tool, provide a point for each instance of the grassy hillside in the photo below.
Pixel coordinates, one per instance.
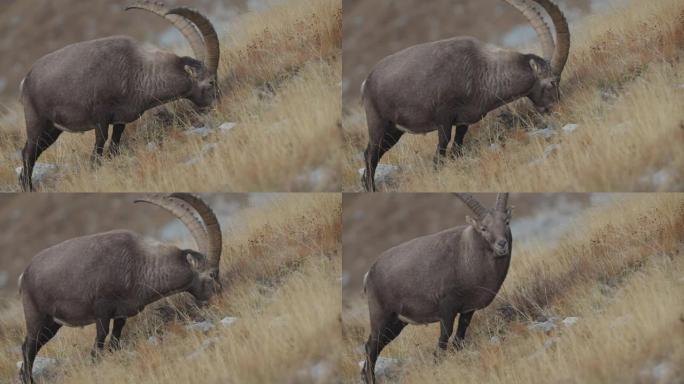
(623, 86)
(280, 267)
(280, 73)
(619, 270)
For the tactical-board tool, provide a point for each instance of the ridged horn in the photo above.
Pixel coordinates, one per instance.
(211, 226)
(501, 202)
(185, 213)
(536, 19)
(468, 199)
(211, 42)
(185, 26)
(560, 54)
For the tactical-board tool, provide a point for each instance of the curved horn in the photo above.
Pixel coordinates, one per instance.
(473, 204)
(211, 226)
(536, 19)
(501, 202)
(211, 42)
(184, 212)
(560, 54)
(182, 24)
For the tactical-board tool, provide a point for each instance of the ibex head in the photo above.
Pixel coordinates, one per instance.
(493, 225)
(207, 234)
(202, 37)
(545, 93)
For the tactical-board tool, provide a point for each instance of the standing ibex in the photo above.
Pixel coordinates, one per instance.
(113, 80)
(436, 277)
(457, 81)
(114, 275)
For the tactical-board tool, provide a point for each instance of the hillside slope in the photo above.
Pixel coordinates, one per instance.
(280, 269)
(279, 75)
(623, 87)
(609, 293)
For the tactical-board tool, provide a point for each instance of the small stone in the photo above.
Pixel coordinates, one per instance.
(550, 150)
(544, 133)
(225, 127)
(198, 131)
(228, 321)
(494, 147)
(662, 371)
(494, 340)
(544, 326)
(41, 171)
(384, 366)
(202, 326)
(153, 340)
(570, 321)
(384, 173)
(152, 146)
(569, 128)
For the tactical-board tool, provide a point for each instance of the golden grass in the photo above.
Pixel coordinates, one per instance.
(618, 269)
(280, 266)
(280, 77)
(622, 85)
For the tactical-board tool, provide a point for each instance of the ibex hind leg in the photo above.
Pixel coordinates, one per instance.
(381, 335)
(102, 329)
(378, 144)
(40, 328)
(40, 135)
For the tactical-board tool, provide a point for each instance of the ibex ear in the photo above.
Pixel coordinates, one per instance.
(535, 66)
(194, 260)
(192, 71)
(473, 222)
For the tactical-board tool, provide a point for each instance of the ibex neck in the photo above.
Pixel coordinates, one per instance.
(505, 79)
(163, 275)
(160, 81)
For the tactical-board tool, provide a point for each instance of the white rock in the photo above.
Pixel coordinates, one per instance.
(384, 173)
(569, 128)
(544, 133)
(662, 371)
(319, 372)
(41, 365)
(198, 131)
(152, 146)
(550, 150)
(225, 127)
(202, 326)
(570, 321)
(494, 147)
(494, 340)
(4, 276)
(384, 366)
(41, 171)
(544, 326)
(153, 340)
(228, 321)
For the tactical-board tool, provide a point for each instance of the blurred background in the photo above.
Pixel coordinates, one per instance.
(374, 29)
(29, 29)
(30, 223)
(373, 223)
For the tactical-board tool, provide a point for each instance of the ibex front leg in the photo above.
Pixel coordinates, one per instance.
(101, 133)
(444, 134)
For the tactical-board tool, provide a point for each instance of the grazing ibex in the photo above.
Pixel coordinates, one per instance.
(113, 80)
(436, 277)
(457, 81)
(114, 275)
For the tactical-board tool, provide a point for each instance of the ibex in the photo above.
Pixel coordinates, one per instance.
(437, 85)
(113, 80)
(436, 277)
(114, 275)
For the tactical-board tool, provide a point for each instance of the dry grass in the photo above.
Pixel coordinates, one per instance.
(280, 267)
(619, 270)
(280, 76)
(622, 85)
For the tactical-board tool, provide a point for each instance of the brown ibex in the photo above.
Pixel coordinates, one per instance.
(114, 275)
(437, 85)
(113, 80)
(436, 277)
